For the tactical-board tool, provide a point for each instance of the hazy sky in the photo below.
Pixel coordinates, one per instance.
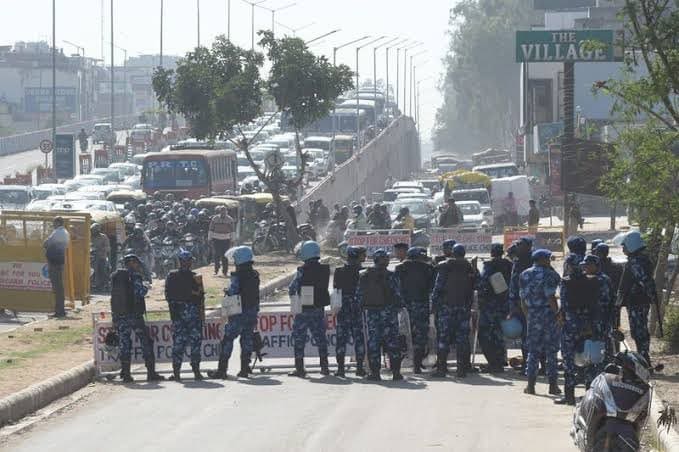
(137, 29)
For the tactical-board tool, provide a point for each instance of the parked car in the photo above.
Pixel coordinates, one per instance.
(474, 220)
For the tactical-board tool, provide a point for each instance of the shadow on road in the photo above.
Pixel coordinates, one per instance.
(260, 381)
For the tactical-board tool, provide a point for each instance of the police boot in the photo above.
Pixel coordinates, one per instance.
(360, 371)
(220, 373)
(417, 363)
(396, 370)
(151, 374)
(340, 366)
(324, 365)
(568, 397)
(299, 369)
(554, 387)
(463, 364)
(441, 366)
(244, 368)
(374, 373)
(176, 372)
(530, 389)
(125, 374)
(196, 371)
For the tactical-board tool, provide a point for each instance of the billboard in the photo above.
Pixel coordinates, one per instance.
(64, 156)
(39, 99)
(567, 46)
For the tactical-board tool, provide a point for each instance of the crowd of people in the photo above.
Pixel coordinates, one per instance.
(517, 297)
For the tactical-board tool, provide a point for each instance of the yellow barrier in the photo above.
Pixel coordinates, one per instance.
(24, 281)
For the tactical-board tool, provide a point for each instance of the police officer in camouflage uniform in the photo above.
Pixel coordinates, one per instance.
(316, 275)
(379, 295)
(585, 301)
(614, 271)
(577, 247)
(186, 299)
(521, 262)
(350, 317)
(416, 275)
(537, 289)
(452, 298)
(128, 307)
(637, 290)
(493, 309)
(447, 250)
(244, 282)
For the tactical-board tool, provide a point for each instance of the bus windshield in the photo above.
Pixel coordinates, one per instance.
(183, 173)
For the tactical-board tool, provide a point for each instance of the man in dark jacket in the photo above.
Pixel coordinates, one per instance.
(128, 307)
(451, 216)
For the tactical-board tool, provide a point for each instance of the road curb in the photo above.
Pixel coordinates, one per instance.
(26, 401)
(669, 440)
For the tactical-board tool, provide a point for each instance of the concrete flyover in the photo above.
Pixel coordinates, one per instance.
(395, 151)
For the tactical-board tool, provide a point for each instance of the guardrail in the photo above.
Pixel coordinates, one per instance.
(14, 144)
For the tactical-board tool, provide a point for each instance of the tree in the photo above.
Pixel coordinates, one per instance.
(479, 107)
(645, 168)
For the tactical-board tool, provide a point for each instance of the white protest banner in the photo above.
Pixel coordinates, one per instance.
(474, 242)
(24, 276)
(379, 239)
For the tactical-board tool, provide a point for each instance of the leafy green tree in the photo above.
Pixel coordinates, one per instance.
(480, 107)
(645, 169)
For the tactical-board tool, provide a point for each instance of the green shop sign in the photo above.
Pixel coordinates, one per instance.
(567, 46)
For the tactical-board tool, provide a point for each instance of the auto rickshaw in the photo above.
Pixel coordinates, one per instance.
(233, 207)
(122, 197)
(252, 207)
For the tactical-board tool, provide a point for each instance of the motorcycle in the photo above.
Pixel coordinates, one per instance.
(191, 243)
(615, 408)
(168, 257)
(269, 237)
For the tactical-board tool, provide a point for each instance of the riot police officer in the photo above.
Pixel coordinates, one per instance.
(185, 297)
(493, 307)
(401, 251)
(244, 282)
(349, 317)
(537, 290)
(614, 272)
(379, 295)
(317, 276)
(577, 247)
(447, 250)
(128, 306)
(521, 262)
(452, 298)
(415, 275)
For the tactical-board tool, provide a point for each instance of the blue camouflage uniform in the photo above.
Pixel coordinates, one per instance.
(349, 317)
(181, 293)
(519, 264)
(416, 282)
(607, 314)
(244, 282)
(493, 309)
(537, 285)
(381, 315)
(311, 318)
(637, 292)
(125, 324)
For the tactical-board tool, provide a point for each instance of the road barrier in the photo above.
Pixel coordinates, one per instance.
(476, 242)
(547, 238)
(24, 281)
(376, 239)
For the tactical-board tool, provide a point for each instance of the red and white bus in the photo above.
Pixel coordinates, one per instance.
(190, 173)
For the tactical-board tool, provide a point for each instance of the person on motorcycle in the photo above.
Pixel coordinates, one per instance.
(376, 218)
(451, 216)
(312, 274)
(186, 300)
(157, 197)
(404, 220)
(360, 222)
(186, 203)
(140, 245)
(247, 189)
(157, 227)
(171, 231)
(323, 215)
(101, 252)
(140, 214)
(349, 317)
(82, 139)
(219, 234)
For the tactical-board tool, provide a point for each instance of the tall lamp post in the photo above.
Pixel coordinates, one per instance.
(375, 74)
(198, 20)
(358, 101)
(81, 82)
(405, 45)
(405, 70)
(54, 72)
(273, 12)
(386, 100)
(160, 62)
(252, 20)
(113, 129)
(412, 81)
(295, 30)
(318, 38)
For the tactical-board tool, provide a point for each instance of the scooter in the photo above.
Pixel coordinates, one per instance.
(615, 408)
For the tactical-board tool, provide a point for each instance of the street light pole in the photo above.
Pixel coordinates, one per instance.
(113, 129)
(54, 72)
(412, 81)
(375, 75)
(405, 71)
(273, 14)
(318, 38)
(160, 63)
(295, 30)
(228, 20)
(198, 19)
(252, 20)
(358, 100)
(386, 101)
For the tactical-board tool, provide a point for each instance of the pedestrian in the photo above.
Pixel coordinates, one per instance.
(244, 282)
(577, 247)
(219, 234)
(401, 251)
(350, 317)
(493, 307)
(521, 262)
(415, 276)
(533, 214)
(315, 276)
(101, 250)
(452, 298)
(538, 286)
(56, 246)
(637, 290)
(128, 306)
(451, 215)
(379, 295)
(185, 297)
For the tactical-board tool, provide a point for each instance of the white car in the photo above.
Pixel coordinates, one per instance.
(125, 169)
(473, 216)
(408, 184)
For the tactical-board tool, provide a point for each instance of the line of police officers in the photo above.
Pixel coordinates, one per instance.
(372, 298)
